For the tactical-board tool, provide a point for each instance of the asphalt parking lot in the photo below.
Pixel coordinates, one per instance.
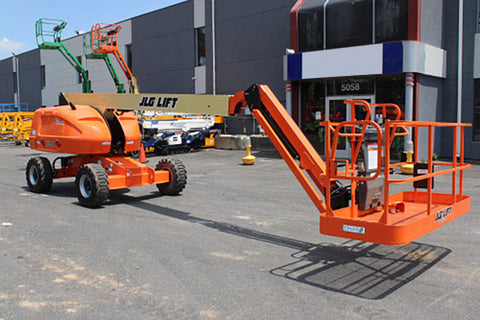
(240, 242)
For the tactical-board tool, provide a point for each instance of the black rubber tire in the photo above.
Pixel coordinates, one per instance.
(135, 154)
(161, 151)
(178, 176)
(91, 184)
(39, 175)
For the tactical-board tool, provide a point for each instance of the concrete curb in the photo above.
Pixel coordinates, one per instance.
(235, 142)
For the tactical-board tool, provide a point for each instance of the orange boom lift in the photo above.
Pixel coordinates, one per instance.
(104, 41)
(99, 138)
(99, 128)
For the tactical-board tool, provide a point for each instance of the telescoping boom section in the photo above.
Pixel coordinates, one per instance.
(365, 210)
(352, 195)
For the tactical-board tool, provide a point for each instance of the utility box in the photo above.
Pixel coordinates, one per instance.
(420, 169)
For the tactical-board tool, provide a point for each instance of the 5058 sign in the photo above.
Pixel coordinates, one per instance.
(350, 87)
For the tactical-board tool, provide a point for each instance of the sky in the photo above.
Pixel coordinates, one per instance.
(18, 17)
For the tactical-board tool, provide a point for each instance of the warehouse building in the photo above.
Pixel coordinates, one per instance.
(405, 52)
(312, 53)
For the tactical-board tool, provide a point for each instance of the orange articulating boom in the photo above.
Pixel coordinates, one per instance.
(104, 40)
(287, 138)
(365, 210)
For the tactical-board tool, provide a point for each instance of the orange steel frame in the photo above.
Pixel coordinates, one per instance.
(122, 171)
(404, 216)
(407, 215)
(104, 40)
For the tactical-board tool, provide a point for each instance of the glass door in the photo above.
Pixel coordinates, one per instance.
(337, 111)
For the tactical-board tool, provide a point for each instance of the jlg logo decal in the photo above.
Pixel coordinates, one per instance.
(442, 215)
(159, 102)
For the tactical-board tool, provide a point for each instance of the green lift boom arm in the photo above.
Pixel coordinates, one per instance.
(49, 36)
(90, 54)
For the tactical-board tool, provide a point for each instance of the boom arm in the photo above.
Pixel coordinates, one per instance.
(287, 138)
(110, 68)
(113, 74)
(128, 73)
(90, 54)
(178, 103)
(86, 84)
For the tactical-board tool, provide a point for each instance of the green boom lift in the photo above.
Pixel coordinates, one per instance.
(49, 36)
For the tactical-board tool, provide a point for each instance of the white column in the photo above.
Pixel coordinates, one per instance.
(409, 84)
(288, 95)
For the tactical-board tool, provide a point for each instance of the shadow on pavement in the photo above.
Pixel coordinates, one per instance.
(360, 269)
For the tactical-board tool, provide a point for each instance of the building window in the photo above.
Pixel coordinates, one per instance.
(14, 78)
(391, 89)
(200, 47)
(312, 112)
(391, 20)
(43, 79)
(478, 16)
(79, 59)
(129, 56)
(348, 23)
(476, 114)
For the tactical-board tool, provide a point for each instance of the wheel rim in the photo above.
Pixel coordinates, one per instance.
(85, 186)
(33, 175)
(136, 153)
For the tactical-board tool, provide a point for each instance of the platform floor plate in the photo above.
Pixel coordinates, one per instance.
(402, 227)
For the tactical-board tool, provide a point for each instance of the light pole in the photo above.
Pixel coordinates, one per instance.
(214, 57)
(18, 79)
(459, 70)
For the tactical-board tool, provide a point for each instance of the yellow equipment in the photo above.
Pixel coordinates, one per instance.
(16, 126)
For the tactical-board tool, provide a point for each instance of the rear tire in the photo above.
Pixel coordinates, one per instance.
(178, 176)
(91, 183)
(39, 175)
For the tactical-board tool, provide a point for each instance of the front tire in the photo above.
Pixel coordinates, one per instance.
(39, 175)
(178, 176)
(91, 183)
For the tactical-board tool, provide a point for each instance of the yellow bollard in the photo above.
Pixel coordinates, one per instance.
(248, 159)
(408, 168)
